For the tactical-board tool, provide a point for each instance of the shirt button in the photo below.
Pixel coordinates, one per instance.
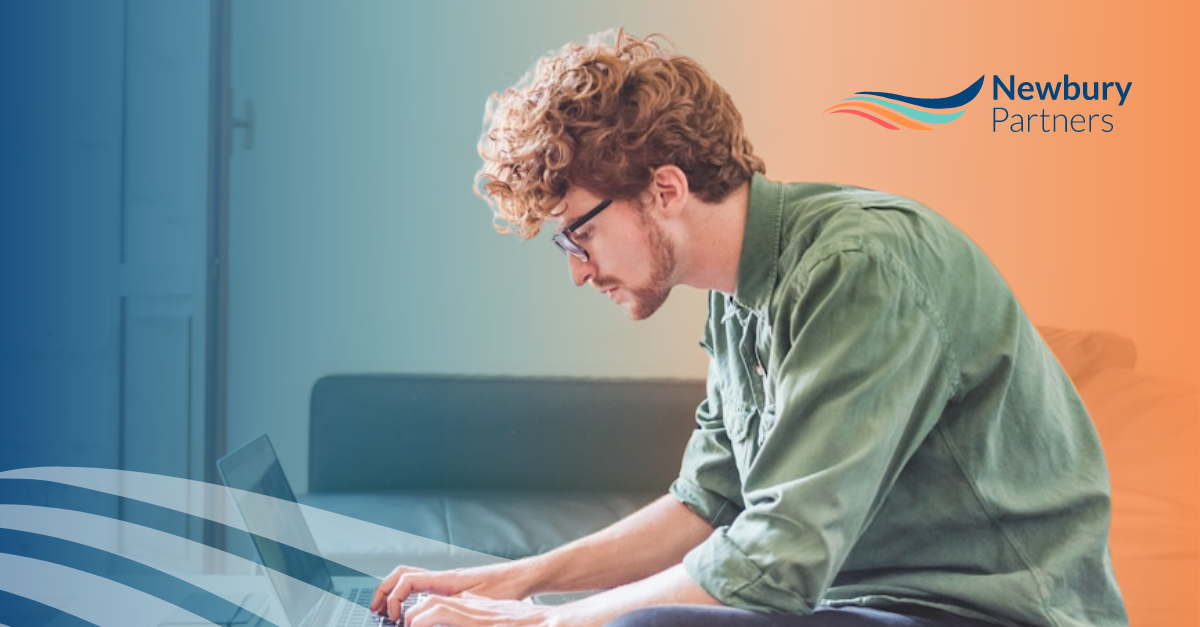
(759, 369)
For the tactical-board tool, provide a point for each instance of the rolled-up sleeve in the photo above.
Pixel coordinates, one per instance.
(708, 481)
(860, 375)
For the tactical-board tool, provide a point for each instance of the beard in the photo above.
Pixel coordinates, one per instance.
(645, 300)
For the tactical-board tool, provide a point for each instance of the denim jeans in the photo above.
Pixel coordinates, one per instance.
(824, 616)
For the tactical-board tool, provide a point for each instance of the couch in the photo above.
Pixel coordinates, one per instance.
(1150, 429)
(505, 467)
(488, 467)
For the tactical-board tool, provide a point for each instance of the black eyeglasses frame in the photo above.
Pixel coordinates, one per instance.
(563, 240)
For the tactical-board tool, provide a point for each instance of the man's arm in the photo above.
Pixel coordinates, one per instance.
(643, 544)
(671, 586)
(647, 542)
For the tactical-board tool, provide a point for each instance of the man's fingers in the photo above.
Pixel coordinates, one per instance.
(379, 599)
(474, 612)
(381, 592)
(395, 598)
(434, 610)
(403, 582)
(408, 583)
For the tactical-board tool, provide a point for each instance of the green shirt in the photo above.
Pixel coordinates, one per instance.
(884, 426)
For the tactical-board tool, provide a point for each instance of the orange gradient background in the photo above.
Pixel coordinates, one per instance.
(1092, 230)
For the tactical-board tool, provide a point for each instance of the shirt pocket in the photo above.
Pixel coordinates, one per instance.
(741, 423)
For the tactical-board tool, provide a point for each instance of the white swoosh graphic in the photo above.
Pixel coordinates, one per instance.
(211, 502)
(106, 534)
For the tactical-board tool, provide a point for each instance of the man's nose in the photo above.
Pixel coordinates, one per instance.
(581, 271)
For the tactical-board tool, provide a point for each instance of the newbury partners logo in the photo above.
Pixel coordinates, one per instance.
(1085, 107)
(884, 108)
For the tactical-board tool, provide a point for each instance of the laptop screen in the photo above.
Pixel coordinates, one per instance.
(255, 468)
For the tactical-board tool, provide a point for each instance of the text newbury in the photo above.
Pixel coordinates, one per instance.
(1068, 90)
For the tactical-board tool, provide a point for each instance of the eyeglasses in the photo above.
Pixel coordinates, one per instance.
(563, 240)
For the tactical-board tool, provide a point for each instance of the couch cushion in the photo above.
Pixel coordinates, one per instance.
(1150, 428)
(507, 525)
(498, 433)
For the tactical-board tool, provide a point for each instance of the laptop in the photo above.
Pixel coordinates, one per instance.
(255, 468)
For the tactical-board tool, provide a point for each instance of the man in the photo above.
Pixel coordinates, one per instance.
(886, 440)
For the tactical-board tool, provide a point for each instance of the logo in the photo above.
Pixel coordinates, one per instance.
(884, 108)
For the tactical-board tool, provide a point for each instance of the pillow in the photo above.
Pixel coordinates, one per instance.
(1084, 353)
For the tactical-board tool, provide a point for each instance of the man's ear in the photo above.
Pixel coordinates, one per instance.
(670, 188)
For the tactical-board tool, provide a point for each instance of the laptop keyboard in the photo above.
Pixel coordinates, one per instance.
(356, 614)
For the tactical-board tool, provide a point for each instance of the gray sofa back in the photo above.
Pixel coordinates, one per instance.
(405, 432)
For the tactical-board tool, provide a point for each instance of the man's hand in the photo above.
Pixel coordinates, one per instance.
(672, 586)
(499, 581)
(647, 542)
(469, 610)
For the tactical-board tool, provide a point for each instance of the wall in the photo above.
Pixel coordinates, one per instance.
(357, 245)
(103, 188)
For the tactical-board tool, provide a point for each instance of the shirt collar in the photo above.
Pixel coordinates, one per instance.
(759, 260)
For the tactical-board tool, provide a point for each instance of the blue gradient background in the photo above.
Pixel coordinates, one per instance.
(60, 159)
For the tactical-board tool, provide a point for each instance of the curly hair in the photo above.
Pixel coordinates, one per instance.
(602, 117)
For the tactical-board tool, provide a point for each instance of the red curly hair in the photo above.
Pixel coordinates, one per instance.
(603, 117)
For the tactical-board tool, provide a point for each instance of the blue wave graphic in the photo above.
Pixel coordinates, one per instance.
(121, 570)
(18, 611)
(174, 522)
(113, 548)
(97, 599)
(949, 102)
